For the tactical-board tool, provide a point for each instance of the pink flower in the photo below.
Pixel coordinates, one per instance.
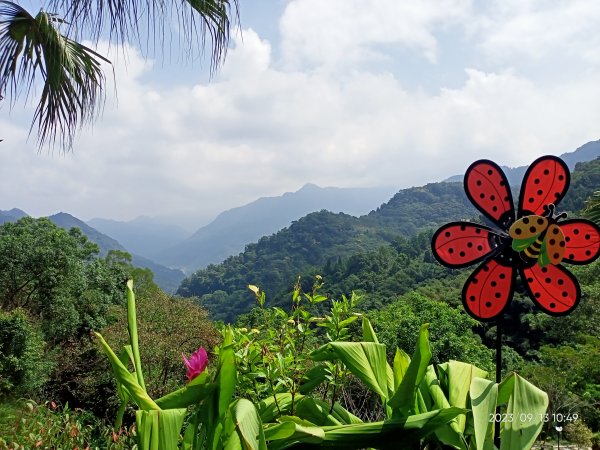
(196, 364)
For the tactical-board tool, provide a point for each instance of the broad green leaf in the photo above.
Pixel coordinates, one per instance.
(248, 425)
(366, 361)
(401, 363)
(133, 334)
(272, 407)
(459, 381)
(321, 413)
(160, 430)
(127, 379)
(450, 434)
(368, 332)
(227, 376)
(292, 432)
(404, 398)
(193, 392)
(484, 396)
(399, 433)
(525, 401)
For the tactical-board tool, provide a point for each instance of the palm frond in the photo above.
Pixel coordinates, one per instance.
(73, 80)
(592, 208)
(196, 21)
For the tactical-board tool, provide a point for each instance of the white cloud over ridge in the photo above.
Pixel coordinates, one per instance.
(308, 108)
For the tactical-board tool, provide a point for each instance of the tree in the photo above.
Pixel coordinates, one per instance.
(45, 47)
(592, 208)
(56, 277)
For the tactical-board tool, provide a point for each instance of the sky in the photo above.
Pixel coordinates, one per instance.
(348, 93)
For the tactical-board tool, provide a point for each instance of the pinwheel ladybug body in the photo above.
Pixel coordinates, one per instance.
(530, 242)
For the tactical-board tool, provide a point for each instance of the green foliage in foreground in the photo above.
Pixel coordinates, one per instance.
(26, 425)
(450, 404)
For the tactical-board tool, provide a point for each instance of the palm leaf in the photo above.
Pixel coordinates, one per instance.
(195, 20)
(73, 80)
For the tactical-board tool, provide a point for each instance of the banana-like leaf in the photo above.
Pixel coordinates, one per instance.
(127, 379)
(227, 375)
(484, 396)
(525, 402)
(459, 381)
(366, 361)
(248, 432)
(401, 363)
(399, 433)
(293, 432)
(272, 407)
(133, 334)
(159, 430)
(192, 393)
(368, 331)
(321, 413)
(404, 399)
(450, 434)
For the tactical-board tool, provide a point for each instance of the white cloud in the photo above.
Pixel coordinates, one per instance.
(349, 31)
(542, 29)
(263, 128)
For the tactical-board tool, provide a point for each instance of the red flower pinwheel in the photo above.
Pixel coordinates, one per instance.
(534, 242)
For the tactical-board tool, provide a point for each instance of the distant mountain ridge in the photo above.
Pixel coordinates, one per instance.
(12, 215)
(143, 235)
(321, 239)
(233, 229)
(586, 152)
(168, 279)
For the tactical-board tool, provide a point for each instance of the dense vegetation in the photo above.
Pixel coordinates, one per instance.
(385, 253)
(328, 274)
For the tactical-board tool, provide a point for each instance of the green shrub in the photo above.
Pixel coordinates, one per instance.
(24, 366)
(27, 425)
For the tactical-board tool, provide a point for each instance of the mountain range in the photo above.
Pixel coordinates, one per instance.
(233, 229)
(269, 220)
(586, 152)
(322, 240)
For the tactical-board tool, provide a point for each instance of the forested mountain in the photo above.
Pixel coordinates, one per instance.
(586, 152)
(233, 229)
(168, 279)
(384, 253)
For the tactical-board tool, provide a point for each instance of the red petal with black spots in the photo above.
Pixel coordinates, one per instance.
(488, 189)
(460, 244)
(488, 290)
(553, 288)
(582, 239)
(546, 182)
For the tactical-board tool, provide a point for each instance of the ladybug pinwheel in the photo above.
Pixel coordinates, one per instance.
(534, 242)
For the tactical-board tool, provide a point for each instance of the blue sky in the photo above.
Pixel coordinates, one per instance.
(338, 93)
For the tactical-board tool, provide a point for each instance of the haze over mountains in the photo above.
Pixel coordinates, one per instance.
(167, 248)
(586, 152)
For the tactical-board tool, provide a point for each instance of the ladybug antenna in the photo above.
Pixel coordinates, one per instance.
(549, 210)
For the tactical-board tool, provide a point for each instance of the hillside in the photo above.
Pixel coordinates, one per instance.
(336, 245)
(233, 229)
(167, 279)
